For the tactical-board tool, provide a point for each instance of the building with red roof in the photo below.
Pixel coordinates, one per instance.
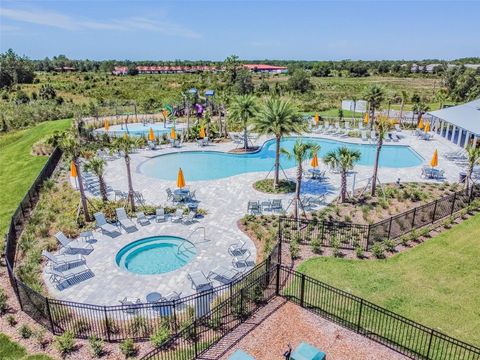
(264, 68)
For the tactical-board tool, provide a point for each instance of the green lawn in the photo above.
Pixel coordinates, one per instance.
(435, 283)
(18, 168)
(10, 350)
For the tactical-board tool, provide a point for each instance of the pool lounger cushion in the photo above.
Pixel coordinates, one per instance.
(240, 355)
(306, 351)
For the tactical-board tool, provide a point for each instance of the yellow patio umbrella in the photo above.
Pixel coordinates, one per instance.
(434, 161)
(316, 118)
(202, 132)
(420, 123)
(125, 136)
(314, 162)
(151, 135)
(427, 126)
(106, 126)
(365, 118)
(173, 135)
(180, 179)
(73, 169)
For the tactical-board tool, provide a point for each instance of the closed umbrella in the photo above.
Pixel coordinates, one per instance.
(420, 124)
(106, 126)
(434, 161)
(151, 135)
(180, 179)
(202, 132)
(73, 169)
(427, 127)
(314, 162)
(316, 119)
(173, 135)
(365, 119)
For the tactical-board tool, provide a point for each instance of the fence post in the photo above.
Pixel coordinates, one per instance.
(453, 202)
(241, 305)
(277, 284)
(430, 344)
(434, 211)
(368, 236)
(47, 303)
(302, 290)
(174, 305)
(359, 316)
(322, 238)
(390, 227)
(195, 341)
(107, 323)
(413, 217)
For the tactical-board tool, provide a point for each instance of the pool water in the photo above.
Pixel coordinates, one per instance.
(209, 165)
(156, 255)
(138, 129)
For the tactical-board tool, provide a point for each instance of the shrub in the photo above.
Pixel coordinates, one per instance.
(127, 348)
(316, 245)
(3, 302)
(25, 331)
(294, 248)
(404, 240)
(378, 251)
(11, 320)
(425, 232)
(139, 326)
(65, 343)
(389, 245)
(335, 244)
(96, 345)
(359, 252)
(40, 337)
(160, 336)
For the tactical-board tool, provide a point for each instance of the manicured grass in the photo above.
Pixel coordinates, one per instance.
(18, 168)
(10, 350)
(435, 283)
(266, 186)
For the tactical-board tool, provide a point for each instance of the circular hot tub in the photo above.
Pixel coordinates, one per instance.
(156, 255)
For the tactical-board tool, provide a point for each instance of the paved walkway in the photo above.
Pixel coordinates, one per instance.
(225, 201)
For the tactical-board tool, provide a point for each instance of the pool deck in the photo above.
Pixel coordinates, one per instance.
(225, 201)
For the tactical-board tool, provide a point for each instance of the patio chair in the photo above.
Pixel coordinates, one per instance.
(169, 193)
(398, 128)
(253, 207)
(199, 280)
(104, 226)
(266, 205)
(73, 246)
(160, 215)
(189, 219)
(193, 196)
(63, 260)
(373, 135)
(71, 276)
(124, 220)
(142, 219)
(242, 259)
(177, 216)
(173, 295)
(394, 137)
(129, 305)
(237, 248)
(223, 274)
(364, 135)
(277, 205)
(307, 352)
(240, 355)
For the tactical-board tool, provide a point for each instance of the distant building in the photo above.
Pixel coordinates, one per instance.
(166, 69)
(65, 69)
(264, 68)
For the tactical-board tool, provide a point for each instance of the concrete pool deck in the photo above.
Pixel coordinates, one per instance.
(225, 201)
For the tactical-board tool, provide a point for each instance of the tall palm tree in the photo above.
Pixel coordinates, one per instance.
(278, 118)
(382, 127)
(374, 95)
(404, 97)
(301, 151)
(344, 160)
(96, 165)
(125, 145)
(70, 145)
(473, 156)
(243, 109)
(441, 96)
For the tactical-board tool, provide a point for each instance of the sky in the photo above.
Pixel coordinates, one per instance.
(213, 30)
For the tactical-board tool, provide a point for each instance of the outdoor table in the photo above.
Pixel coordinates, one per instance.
(154, 297)
(305, 351)
(315, 173)
(183, 193)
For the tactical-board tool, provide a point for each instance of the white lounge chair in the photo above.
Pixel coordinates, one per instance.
(160, 215)
(373, 135)
(237, 248)
(223, 274)
(189, 219)
(177, 216)
(142, 219)
(364, 135)
(124, 220)
(63, 260)
(173, 295)
(394, 137)
(104, 226)
(73, 246)
(242, 260)
(199, 280)
(398, 128)
(129, 305)
(71, 276)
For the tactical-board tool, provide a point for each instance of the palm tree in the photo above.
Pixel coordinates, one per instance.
(404, 98)
(382, 127)
(70, 145)
(125, 145)
(243, 109)
(473, 156)
(374, 95)
(441, 96)
(279, 118)
(343, 159)
(301, 152)
(96, 165)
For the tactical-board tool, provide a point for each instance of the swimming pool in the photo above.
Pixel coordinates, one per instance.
(138, 129)
(209, 165)
(156, 255)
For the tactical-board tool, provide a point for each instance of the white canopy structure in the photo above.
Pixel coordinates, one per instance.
(459, 124)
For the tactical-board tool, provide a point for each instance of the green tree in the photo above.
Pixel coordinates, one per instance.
(232, 66)
(473, 156)
(15, 69)
(441, 97)
(242, 110)
(47, 92)
(300, 81)
(301, 151)
(278, 118)
(243, 83)
(382, 127)
(374, 95)
(344, 160)
(96, 165)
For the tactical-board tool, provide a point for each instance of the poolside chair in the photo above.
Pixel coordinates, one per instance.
(394, 137)
(253, 207)
(373, 135)
(199, 280)
(70, 276)
(189, 219)
(177, 216)
(63, 261)
(160, 215)
(398, 128)
(73, 246)
(169, 193)
(364, 135)
(223, 274)
(277, 205)
(172, 296)
(386, 137)
(242, 259)
(129, 305)
(104, 226)
(237, 248)
(124, 220)
(142, 219)
(240, 355)
(307, 352)
(266, 205)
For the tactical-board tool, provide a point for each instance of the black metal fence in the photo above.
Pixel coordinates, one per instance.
(349, 236)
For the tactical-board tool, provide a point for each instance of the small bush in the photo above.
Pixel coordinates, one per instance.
(127, 348)
(11, 320)
(65, 343)
(40, 336)
(316, 245)
(25, 331)
(404, 240)
(96, 345)
(3, 302)
(294, 248)
(359, 252)
(389, 245)
(378, 251)
(335, 244)
(160, 336)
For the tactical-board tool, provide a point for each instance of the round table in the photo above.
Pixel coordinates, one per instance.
(154, 297)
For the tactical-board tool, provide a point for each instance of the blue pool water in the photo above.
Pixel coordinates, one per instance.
(208, 165)
(137, 129)
(156, 255)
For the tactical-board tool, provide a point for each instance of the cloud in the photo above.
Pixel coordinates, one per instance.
(66, 22)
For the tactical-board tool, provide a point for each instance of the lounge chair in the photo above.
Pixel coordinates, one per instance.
(398, 128)
(104, 226)
(124, 220)
(240, 355)
(223, 274)
(169, 193)
(394, 137)
(171, 296)
(237, 248)
(253, 207)
(277, 205)
(307, 352)
(142, 219)
(199, 280)
(177, 216)
(71, 276)
(364, 135)
(73, 246)
(160, 215)
(241, 259)
(189, 219)
(63, 261)
(373, 135)
(129, 305)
